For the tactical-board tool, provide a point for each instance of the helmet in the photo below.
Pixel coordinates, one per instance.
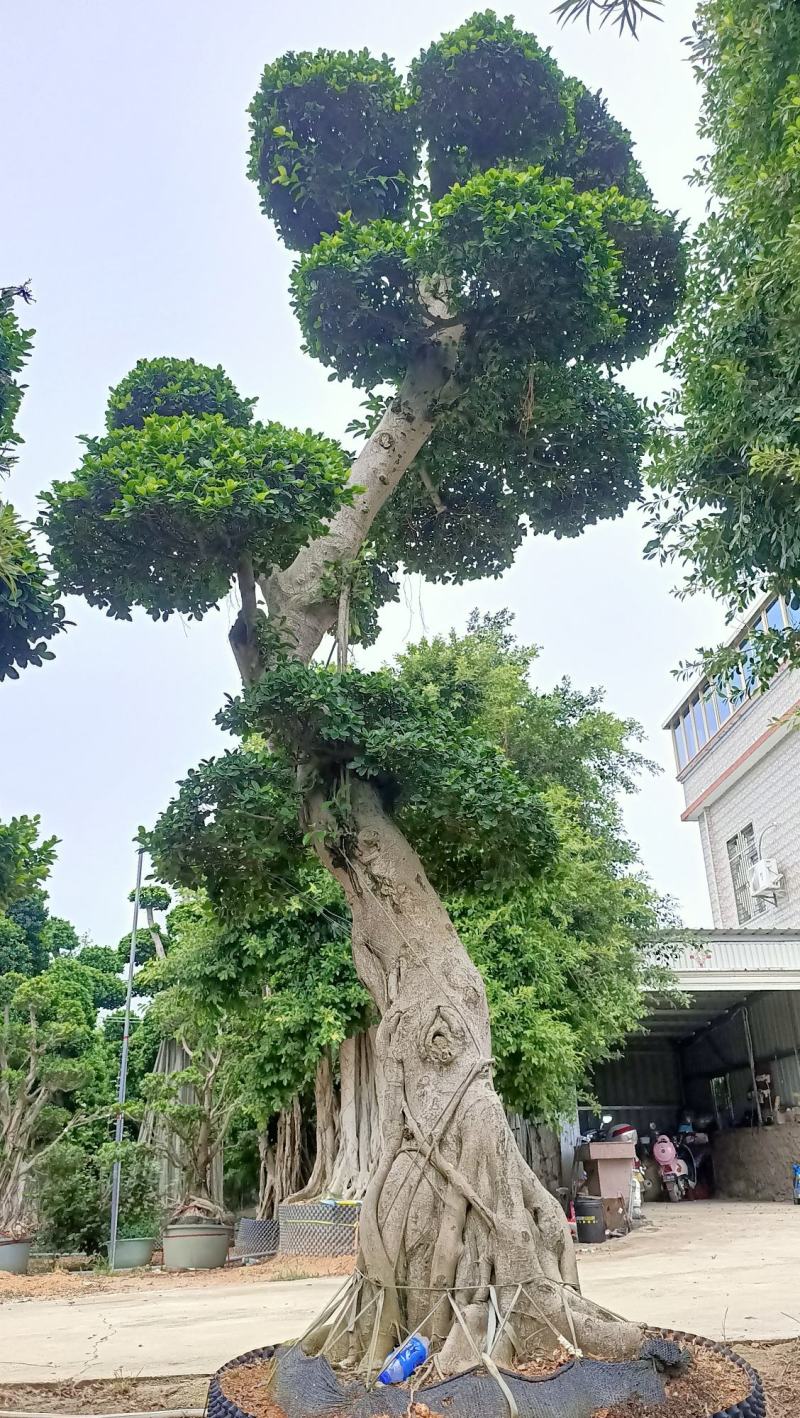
(623, 1132)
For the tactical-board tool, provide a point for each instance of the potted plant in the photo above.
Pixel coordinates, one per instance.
(137, 1235)
(196, 1105)
(15, 1248)
(140, 1219)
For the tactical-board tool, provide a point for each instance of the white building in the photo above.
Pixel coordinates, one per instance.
(737, 755)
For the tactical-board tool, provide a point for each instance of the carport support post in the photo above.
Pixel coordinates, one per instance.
(123, 1069)
(749, 1042)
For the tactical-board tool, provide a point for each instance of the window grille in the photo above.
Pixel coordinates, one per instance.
(742, 853)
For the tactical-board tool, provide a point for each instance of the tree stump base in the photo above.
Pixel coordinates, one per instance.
(283, 1382)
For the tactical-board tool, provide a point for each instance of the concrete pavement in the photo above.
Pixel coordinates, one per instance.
(159, 1332)
(726, 1270)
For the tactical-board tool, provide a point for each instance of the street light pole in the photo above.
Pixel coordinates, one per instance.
(123, 1069)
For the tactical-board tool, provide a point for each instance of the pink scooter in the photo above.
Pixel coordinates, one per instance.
(674, 1171)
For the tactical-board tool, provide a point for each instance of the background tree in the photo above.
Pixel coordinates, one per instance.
(29, 612)
(529, 257)
(52, 1070)
(726, 473)
(563, 956)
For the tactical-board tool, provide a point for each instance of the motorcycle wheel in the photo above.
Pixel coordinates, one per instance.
(673, 1189)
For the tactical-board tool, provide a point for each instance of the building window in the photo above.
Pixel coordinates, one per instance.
(773, 615)
(723, 706)
(742, 853)
(710, 708)
(691, 746)
(699, 723)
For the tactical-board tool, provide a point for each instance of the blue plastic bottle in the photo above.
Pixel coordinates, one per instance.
(796, 1183)
(404, 1360)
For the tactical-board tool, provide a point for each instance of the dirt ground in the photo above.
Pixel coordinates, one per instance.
(778, 1364)
(74, 1284)
(106, 1395)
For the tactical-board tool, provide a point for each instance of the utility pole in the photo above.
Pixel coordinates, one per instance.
(122, 1082)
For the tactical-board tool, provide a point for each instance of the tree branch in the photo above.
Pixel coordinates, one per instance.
(155, 934)
(296, 604)
(242, 634)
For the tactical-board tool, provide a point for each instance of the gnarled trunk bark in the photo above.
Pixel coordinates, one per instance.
(451, 1208)
(451, 1205)
(359, 1118)
(326, 1129)
(281, 1170)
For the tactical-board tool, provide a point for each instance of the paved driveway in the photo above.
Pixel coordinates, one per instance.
(720, 1269)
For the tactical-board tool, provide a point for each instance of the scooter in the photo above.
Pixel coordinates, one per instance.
(673, 1169)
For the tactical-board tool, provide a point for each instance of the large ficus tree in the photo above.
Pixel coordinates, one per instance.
(479, 251)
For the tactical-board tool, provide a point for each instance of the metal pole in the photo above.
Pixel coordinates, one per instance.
(123, 1068)
(749, 1042)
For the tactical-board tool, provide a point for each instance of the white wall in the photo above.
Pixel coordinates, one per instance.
(768, 792)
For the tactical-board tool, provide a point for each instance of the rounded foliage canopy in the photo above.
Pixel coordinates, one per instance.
(331, 133)
(537, 447)
(160, 515)
(170, 387)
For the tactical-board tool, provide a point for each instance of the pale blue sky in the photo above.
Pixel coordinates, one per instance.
(122, 149)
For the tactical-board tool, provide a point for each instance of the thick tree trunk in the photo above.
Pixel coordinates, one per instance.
(359, 1119)
(326, 1128)
(281, 1171)
(451, 1210)
(451, 1205)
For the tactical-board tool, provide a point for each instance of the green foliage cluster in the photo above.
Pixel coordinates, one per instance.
(24, 861)
(508, 248)
(532, 233)
(556, 917)
(161, 516)
(15, 349)
(331, 133)
(233, 829)
(726, 472)
(29, 935)
(452, 792)
(152, 897)
(171, 387)
(73, 1195)
(50, 1044)
(489, 96)
(271, 989)
(543, 448)
(29, 612)
(45, 936)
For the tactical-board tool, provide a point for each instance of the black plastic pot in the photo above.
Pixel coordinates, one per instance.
(753, 1406)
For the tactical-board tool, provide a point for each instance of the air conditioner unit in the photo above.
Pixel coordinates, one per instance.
(765, 877)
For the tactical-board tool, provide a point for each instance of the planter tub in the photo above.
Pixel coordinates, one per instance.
(133, 1251)
(203, 1247)
(14, 1256)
